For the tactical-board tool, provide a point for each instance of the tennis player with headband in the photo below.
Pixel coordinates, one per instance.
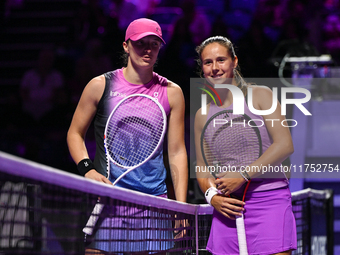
(143, 40)
(269, 220)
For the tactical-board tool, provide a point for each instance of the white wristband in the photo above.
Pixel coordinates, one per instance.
(212, 191)
(241, 173)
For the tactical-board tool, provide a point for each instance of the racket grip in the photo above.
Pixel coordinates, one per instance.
(88, 229)
(241, 235)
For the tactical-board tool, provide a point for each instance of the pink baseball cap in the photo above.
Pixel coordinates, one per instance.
(140, 28)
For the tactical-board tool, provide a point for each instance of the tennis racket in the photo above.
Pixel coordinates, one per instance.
(134, 131)
(228, 142)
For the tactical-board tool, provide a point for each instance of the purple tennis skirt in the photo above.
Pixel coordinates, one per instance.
(269, 224)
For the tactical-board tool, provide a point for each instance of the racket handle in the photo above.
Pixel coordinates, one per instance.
(241, 235)
(88, 229)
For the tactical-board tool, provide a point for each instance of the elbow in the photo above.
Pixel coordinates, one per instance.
(178, 149)
(70, 137)
(285, 149)
(290, 149)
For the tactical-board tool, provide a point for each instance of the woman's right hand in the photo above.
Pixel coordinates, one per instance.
(227, 206)
(94, 175)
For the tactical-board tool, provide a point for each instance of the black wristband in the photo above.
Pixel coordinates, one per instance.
(85, 165)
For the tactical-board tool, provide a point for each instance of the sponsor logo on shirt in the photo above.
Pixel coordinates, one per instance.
(117, 94)
(155, 95)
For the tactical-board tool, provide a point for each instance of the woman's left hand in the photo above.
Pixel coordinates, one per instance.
(229, 182)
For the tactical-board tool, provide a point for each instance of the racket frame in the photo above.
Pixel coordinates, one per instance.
(88, 229)
(108, 157)
(241, 236)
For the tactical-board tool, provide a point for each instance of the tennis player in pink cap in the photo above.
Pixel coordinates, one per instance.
(142, 43)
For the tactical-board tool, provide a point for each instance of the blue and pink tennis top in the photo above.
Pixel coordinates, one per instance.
(150, 177)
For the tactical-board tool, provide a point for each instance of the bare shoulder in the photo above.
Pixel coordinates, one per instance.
(200, 119)
(261, 92)
(175, 94)
(174, 88)
(260, 89)
(95, 88)
(96, 83)
(262, 97)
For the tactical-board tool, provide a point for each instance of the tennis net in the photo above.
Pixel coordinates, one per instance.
(44, 210)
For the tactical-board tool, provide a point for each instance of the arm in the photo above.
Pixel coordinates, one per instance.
(81, 121)
(223, 204)
(176, 146)
(282, 145)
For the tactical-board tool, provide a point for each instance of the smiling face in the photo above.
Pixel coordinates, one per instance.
(143, 52)
(217, 63)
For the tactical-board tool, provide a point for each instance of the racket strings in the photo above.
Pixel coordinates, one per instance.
(134, 131)
(232, 144)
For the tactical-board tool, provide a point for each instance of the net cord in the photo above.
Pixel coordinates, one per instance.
(23, 168)
(28, 169)
(20, 167)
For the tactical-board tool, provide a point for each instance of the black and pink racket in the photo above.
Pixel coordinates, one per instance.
(230, 142)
